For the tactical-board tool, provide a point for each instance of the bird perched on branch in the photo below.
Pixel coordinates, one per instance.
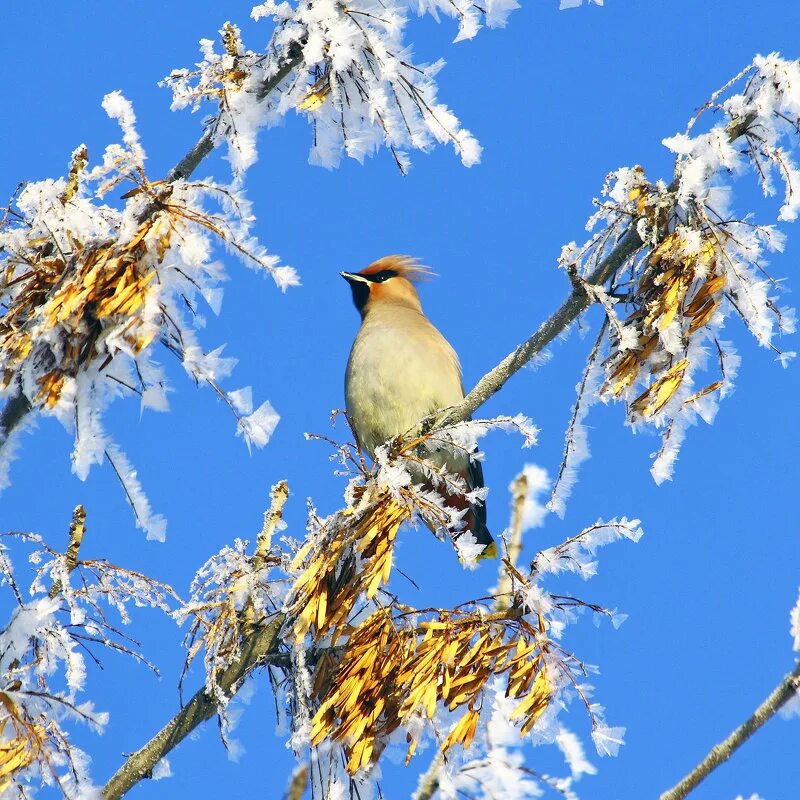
(400, 370)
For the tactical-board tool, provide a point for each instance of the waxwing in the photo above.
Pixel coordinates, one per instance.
(400, 370)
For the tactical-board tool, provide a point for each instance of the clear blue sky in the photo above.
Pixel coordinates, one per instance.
(557, 99)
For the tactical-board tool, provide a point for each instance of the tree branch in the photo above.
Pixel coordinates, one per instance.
(720, 753)
(256, 651)
(577, 302)
(260, 646)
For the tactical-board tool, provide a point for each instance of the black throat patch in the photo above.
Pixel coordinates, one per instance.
(360, 292)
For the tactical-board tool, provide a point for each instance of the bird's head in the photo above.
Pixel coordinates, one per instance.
(389, 280)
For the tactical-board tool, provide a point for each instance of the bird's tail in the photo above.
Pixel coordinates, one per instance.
(476, 516)
(474, 519)
(476, 525)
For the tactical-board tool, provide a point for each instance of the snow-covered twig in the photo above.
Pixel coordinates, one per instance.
(256, 652)
(720, 753)
(257, 646)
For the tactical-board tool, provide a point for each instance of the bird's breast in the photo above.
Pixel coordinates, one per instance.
(396, 375)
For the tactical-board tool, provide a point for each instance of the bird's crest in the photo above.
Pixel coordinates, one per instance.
(405, 266)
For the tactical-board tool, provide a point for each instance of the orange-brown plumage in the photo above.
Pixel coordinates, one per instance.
(405, 266)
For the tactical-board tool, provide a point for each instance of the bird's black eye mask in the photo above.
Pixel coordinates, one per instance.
(380, 277)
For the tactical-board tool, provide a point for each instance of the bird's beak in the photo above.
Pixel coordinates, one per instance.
(352, 277)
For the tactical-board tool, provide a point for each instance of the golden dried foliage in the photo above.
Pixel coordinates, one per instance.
(395, 668)
(354, 559)
(317, 94)
(677, 285)
(77, 292)
(232, 42)
(83, 290)
(21, 745)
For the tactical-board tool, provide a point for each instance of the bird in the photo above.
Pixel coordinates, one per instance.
(400, 370)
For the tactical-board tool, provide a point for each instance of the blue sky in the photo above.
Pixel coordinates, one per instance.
(558, 99)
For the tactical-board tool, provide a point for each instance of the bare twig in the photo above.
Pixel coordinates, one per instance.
(256, 651)
(272, 517)
(260, 645)
(720, 753)
(519, 493)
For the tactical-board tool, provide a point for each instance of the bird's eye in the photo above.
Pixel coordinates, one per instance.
(384, 275)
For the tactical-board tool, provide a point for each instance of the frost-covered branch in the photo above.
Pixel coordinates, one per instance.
(787, 689)
(247, 643)
(576, 303)
(206, 143)
(256, 652)
(19, 406)
(43, 650)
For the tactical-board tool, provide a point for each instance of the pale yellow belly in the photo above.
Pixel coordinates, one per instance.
(394, 380)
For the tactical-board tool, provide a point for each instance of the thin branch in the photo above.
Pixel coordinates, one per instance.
(519, 493)
(260, 646)
(256, 651)
(577, 302)
(272, 518)
(720, 753)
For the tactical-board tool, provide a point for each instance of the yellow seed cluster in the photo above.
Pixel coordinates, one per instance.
(22, 748)
(394, 668)
(78, 292)
(317, 94)
(355, 561)
(673, 286)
